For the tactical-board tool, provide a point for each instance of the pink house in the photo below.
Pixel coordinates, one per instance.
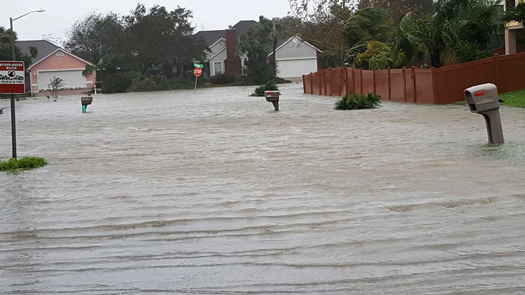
(57, 62)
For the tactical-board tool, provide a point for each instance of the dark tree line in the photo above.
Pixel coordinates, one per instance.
(151, 42)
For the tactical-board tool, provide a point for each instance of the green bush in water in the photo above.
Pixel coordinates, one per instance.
(23, 163)
(357, 102)
(225, 78)
(270, 85)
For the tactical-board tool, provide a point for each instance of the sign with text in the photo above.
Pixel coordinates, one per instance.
(12, 77)
(197, 72)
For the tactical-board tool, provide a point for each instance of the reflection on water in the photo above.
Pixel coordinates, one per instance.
(211, 192)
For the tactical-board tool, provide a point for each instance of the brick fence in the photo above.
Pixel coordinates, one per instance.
(430, 86)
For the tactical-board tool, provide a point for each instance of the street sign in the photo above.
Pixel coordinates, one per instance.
(197, 72)
(198, 66)
(12, 77)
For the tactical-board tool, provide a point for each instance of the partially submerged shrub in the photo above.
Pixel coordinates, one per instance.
(357, 102)
(23, 163)
(270, 85)
(225, 78)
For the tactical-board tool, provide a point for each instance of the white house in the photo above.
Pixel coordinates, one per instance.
(296, 57)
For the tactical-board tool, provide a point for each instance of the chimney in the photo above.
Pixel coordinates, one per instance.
(232, 63)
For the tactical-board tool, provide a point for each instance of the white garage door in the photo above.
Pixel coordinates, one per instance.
(294, 68)
(72, 79)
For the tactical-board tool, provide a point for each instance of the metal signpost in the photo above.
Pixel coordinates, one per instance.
(12, 81)
(197, 72)
(13, 85)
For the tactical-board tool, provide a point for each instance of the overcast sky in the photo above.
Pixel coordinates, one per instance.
(61, 14)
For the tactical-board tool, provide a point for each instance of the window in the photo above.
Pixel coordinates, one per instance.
(217, 67)
(60, 53)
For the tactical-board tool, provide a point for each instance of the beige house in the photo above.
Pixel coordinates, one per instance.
(511, 29)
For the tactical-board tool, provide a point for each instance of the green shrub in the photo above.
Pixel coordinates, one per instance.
(118, 83)
(225, 78)
(466, 51)
(144, 84)
(23, 163)
(270, 85)
(161, 83)
(357, 102)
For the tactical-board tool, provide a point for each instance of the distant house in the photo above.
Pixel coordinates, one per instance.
(222, 44)
(53, 61)
(294, 57)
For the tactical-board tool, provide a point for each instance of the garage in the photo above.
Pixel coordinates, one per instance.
(293, 68)
(295, 57)
(71, 78)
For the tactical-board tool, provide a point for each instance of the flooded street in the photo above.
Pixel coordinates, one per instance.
(211, 192)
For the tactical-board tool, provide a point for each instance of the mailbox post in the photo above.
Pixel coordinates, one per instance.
(85, 102)
(273, 97)
(483, 99)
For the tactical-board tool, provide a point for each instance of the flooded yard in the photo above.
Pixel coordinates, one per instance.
(212, 192)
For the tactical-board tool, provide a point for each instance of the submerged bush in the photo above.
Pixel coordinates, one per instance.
(270, 85)
(225, 78)
(357, 102)
(23, 163)
(160, 83)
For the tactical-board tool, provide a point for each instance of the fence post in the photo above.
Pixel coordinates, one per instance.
(414, 83)
(389, 86)
(361, 82)
(321, 74)
(404, 84)
(496, 71)
(353, 80)
(434, 86)
(311, 83)
(374, 81)
(342, 82)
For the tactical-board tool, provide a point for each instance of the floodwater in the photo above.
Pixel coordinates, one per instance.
(212, 192)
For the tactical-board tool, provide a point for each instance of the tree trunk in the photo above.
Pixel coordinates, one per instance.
(435, 59)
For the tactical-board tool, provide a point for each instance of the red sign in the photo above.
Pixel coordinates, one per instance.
(12, 77)
(197, 72)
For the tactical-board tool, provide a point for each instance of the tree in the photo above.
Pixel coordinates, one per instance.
(56, 84)
(477, 22)
(158, 36)
(291, 26)
(96, 36)
(378, 56)
(516, 14)
(257, 44)
(399, 8)
(365, 25)
(324, 22)
(6, 50)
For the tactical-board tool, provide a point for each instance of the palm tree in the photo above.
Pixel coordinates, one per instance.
(454, 21)
(5, 48)
(516, 14)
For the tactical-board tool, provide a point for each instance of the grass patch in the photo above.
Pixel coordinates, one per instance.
(23, 163)
(511, 99)
(514, 99)
(358, 102)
